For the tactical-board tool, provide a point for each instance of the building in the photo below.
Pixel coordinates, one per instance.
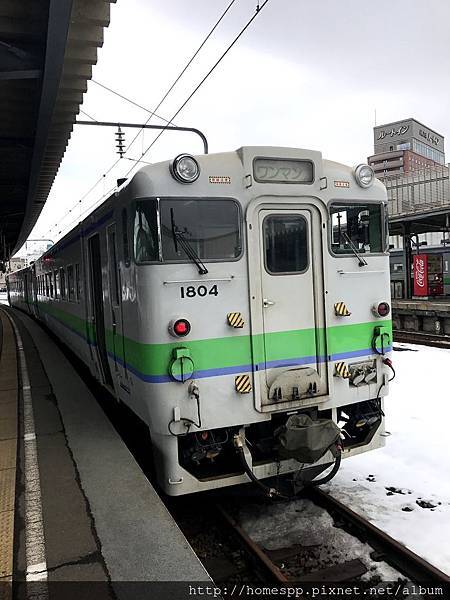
(405, 146)
(14, 264)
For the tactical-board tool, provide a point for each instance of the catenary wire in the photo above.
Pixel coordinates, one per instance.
(151, 112)
(257, 12)
(101, 178)
(182, 72)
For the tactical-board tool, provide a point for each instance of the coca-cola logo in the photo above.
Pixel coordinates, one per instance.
(420, 272)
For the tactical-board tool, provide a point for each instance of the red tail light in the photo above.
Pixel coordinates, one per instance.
(383, 309)
(181, 327)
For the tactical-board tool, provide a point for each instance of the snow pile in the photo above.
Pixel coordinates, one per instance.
(274, 526)
(404, 488)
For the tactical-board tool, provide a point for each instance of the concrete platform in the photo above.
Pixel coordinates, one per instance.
(433, 304)
(101, 520)
(422, 315)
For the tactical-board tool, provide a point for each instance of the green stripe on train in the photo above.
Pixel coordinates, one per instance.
(153, 359)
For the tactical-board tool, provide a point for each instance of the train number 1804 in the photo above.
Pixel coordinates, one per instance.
(191, 291)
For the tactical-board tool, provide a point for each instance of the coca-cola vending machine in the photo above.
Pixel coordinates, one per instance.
(428, 275)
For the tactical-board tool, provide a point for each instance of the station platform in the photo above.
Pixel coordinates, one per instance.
(422, 315)
(74, 504)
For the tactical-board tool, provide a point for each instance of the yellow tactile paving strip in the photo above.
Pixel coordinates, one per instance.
(8, 446)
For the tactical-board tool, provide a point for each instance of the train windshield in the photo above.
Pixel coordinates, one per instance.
(210, 228)
(359, 227)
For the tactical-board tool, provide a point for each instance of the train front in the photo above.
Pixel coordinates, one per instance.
(262, 289)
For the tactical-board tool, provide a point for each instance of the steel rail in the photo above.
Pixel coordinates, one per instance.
(393, 552)
(425, 339)
(414, 567)
(253, 549)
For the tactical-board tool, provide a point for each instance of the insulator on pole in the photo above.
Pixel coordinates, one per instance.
(120, 142)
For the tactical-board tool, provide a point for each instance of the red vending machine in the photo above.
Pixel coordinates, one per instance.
(428, 274)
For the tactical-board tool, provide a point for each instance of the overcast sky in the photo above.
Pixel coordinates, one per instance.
(307, 73)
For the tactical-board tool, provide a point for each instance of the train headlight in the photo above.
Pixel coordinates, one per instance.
(364, 175)
(185, 168)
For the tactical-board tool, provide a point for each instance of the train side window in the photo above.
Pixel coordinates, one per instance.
(126, 245)
(46, 285)
(146, 246)
(50, 279)
(70, 283)
(113, 279)
(62, 283)
(285, 244)
(55, 283)
(78, 281)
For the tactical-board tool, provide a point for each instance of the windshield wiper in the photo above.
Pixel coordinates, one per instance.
(179, 238)
(361, 261)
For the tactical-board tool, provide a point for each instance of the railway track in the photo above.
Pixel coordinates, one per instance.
(412, 566)
(424, 339)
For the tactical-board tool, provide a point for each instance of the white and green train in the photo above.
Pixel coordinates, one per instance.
(238, 303)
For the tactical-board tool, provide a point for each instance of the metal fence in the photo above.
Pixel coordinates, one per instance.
(418, 191)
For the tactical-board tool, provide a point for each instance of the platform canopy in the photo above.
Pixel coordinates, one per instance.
(47, 49)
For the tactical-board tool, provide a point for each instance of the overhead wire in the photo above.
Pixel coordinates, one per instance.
(166, 94)
(88, 115)
(133, 102)
(183, 71)
(257, 12)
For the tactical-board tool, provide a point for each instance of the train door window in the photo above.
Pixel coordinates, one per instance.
(146, 245)
(55, 283)
(125, 241)
(70, 283)
(285, 244)
(357, 227)
(78, 281)
(62, 283)
(113, 279)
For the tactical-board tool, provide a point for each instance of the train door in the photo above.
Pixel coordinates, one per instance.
(98, 316)
(292, 306)
(116, 308)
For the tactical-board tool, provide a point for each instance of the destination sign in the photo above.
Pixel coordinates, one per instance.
(280, 170)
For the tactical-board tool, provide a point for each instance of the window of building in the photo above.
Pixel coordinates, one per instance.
(285, 244)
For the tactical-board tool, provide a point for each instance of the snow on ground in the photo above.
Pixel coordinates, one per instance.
(275, 526)
(404, 488)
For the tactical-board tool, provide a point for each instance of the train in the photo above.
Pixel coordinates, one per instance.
(398, 266)
(239, 304)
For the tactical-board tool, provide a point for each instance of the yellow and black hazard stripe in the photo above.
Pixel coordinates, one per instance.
(243, 384)
(341, 310)
(341, 370)
(235, 320)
